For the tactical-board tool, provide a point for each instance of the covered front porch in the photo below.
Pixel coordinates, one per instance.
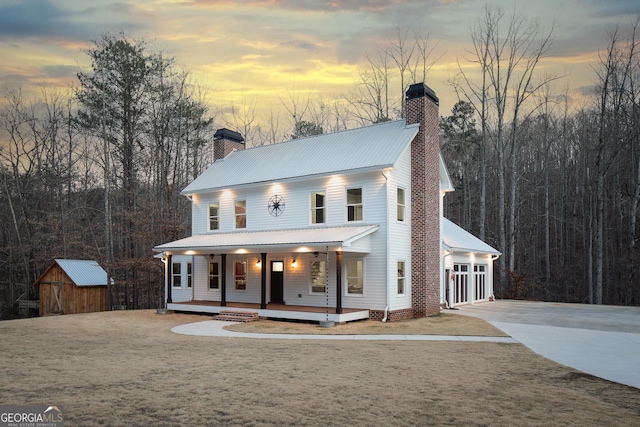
(296, 274)
(274, 311)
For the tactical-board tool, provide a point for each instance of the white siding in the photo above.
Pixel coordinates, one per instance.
(297, 215)
(201, 290)
(183, 293)
(471, 260)
(400, 232)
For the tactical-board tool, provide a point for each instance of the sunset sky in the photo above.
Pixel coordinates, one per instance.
(255, 51)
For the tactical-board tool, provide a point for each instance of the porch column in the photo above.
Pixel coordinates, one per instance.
(169, 270)
(338, 282)
(223, 284)
(263, 282)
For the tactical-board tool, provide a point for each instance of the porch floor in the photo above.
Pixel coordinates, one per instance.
(275, 311)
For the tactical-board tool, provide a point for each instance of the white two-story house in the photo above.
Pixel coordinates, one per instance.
(337, 227)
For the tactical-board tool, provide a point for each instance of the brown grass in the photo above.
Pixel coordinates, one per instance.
(441, 324)
(128, 369)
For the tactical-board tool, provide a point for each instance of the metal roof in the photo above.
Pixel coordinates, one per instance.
(371, 147)
(458, 239)
(312, 237)
(83, 272)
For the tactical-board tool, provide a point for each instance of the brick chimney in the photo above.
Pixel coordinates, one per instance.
(422, 107)
(225, 141)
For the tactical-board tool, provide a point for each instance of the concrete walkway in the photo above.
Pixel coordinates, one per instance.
(601, 340)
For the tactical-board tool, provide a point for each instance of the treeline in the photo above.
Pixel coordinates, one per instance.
(553, 185)
(95, 173)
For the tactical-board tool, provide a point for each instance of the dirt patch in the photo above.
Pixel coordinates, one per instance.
(441, 324)
(128, 369)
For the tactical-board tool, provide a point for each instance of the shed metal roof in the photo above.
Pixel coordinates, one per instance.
(458, 239)
(371, 147)
(83, 272)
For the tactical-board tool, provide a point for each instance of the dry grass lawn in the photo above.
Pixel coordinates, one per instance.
(442, 324)
(128, 369)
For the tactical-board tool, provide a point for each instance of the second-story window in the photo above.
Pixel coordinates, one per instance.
(241, 214)
(317, 208)
(214, 219)
(400, 196)
(354, 204)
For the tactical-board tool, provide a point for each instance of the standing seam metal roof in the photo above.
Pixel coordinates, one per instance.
(457, 238)
(376, 146)
(83, 272)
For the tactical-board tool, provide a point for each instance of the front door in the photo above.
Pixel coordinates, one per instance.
(277, 282)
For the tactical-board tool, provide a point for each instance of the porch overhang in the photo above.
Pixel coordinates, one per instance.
(346, 239)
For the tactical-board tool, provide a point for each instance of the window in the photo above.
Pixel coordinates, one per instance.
(318, 277)
(400, 197)
(241, 214)
(354, 204)
(189, 275)
(240, 271)
(354, 277)
(175, 275)
(214, 220)
(401, 276)
(317, 208)
(214, 275)
(480, 281)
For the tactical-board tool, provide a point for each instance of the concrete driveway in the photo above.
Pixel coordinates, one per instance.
(601, 340)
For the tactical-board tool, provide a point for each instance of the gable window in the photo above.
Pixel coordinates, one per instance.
(240, 273)
(318, 277)
(355, 278)
(214, 220)
(241, 214)
(401, 276)
(189, 275)
(400, 201)
(214, 275)
(176, 275)
(354, 204)
(317, 208)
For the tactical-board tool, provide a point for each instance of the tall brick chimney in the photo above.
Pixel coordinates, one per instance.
(225, 141)
(422, 107)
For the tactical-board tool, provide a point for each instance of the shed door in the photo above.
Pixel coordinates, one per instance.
(57, 297)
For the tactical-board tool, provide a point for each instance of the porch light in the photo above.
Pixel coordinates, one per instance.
(294, 264)
(258, 264)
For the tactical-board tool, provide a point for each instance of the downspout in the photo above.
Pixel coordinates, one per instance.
(388, 233)
(493, 258)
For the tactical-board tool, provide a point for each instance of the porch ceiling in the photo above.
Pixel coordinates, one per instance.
(299, 239)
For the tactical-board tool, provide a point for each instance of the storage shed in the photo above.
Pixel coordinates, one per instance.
(71, 286)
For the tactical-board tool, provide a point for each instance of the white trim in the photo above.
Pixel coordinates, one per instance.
(346, 292)
(246, 274)
(209, 229)
(346, 199)
(311, 208)
(236, 215)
